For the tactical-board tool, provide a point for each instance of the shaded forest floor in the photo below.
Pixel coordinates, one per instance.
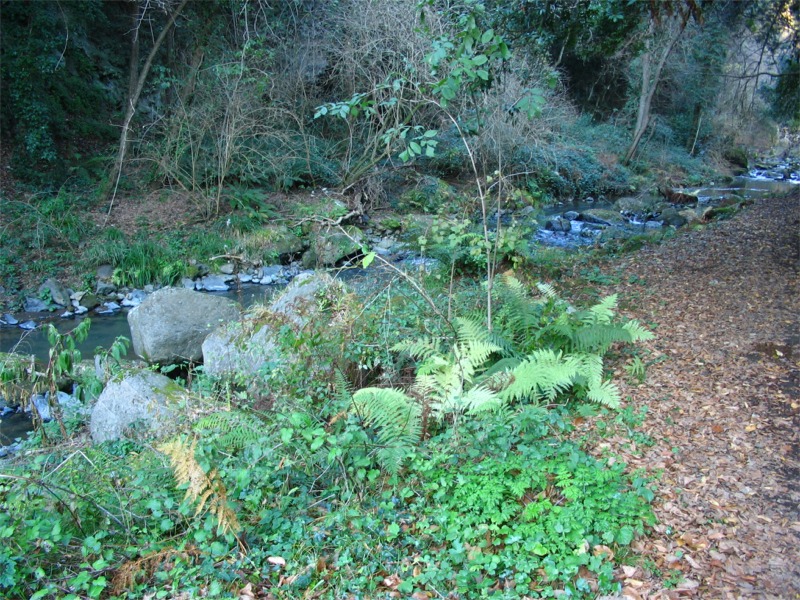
(723, 399)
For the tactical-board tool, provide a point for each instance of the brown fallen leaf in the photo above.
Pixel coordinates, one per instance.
(246, 593)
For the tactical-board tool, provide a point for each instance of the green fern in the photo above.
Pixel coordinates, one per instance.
(396, 419)
(232, 430)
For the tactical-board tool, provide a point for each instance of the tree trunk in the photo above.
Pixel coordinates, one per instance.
(133, 66)
(133, 100)
(651, 77)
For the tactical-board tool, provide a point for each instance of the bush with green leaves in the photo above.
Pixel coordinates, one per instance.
(460, 245)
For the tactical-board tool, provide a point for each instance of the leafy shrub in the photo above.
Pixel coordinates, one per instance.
(460, 244)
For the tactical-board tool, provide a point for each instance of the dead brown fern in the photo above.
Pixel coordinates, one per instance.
(207, 489)
(141, 570)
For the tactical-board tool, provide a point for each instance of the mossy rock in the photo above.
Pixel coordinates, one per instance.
(331, 245)
(737, 156)
(603, 216)
(635, 205)
(389, 224)
(274, 242)
(430, 194)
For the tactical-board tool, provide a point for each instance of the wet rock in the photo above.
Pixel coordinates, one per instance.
(214, 283)
(558, 224)
(139, 406)
(187, 283)
(81, 310)
(108, 308)
(227, 269)
(10, 319)
(90, 301)
(572, 215)
(245, 278)
(134, 298)
(170, 325)
(57, 292)
(34, 305)
(602, 216)
(105, 288)
(41, 402)
(269, 274)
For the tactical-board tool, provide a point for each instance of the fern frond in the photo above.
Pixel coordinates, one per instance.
(421, 349)
(207, 489)
(588, 366)
(602, 312)
(605, 393)
(470, 356)
(543, 374)
(233, 429)
(637, 331)
(599, 337)
(396, 419)
(480, 399)
(547, 291)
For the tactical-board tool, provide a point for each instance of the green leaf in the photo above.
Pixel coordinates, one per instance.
(392, 530)
(415, 147)
(540, 550)
(483, 74)
(367, 260)
(286, 435)
(625, 535)
(479, 60)
(487, 36)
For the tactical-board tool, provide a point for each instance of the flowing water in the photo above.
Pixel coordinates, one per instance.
(106, 328)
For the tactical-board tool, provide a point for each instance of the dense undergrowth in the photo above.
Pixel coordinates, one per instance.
(424, 447)
(292, 488)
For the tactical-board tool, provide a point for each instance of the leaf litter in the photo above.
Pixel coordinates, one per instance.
(723, 399)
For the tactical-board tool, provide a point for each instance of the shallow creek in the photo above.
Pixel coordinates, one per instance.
(106, 328)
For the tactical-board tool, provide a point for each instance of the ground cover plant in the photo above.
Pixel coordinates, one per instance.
(320, 495)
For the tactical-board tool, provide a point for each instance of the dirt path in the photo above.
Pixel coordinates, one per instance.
(724, 405)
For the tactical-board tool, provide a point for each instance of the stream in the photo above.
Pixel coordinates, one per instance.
(106, 328)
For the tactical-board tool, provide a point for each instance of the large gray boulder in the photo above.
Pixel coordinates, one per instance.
(250, 348)
(244, 348)
(170, 325)
(58, 293)
(142, 405)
